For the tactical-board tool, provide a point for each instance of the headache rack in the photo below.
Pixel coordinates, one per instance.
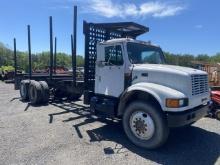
(99, 32)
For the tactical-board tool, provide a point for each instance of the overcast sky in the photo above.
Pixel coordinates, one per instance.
(178, 26)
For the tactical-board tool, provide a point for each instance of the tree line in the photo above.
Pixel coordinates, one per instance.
(187, 59)
(41, 60)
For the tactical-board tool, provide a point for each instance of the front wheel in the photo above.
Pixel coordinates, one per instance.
(145, 125)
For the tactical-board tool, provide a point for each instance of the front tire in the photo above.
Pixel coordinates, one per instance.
(145, 125)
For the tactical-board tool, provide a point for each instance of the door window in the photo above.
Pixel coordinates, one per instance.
(113, 55)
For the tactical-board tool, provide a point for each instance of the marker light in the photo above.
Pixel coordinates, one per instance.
(176, 103)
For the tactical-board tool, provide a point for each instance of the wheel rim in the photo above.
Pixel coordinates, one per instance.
(142, 125)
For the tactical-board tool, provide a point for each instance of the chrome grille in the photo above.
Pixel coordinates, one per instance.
(199, 84)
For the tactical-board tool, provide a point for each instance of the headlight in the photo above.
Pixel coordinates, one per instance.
(176, 103)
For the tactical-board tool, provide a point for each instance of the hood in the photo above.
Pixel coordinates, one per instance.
(175, 77)
(173, 69)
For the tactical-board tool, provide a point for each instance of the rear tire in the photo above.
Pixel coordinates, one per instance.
(24, 90)
(46, 92)
(35, 92)
(145, 125)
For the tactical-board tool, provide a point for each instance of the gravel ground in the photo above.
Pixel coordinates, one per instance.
(65, 133)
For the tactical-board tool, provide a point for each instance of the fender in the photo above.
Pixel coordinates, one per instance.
(159, 92)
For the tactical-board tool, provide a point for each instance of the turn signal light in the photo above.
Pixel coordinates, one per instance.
(177, 103)
(172, 103)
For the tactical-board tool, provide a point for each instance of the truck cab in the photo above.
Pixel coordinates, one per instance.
(132, 82)
(117, 58)
(124, 63)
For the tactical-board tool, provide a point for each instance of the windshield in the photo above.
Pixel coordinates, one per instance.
(144, 54)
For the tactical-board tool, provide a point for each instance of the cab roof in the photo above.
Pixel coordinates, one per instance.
(121, 40)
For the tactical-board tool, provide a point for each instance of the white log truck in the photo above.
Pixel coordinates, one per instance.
(128, 79)
(133, 82)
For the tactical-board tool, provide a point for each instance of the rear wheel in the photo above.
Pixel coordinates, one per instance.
(35, 92)
(145, 125)
(24, 90)
(46, 91)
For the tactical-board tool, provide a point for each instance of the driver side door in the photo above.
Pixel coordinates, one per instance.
(110, 75)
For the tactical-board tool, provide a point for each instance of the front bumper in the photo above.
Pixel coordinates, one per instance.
(178, 119)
